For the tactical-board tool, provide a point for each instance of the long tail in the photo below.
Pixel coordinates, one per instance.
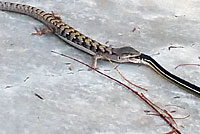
(61, 29)
(23, 9)
(169, 76)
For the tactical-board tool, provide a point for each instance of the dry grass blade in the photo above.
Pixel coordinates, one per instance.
(140, 95)
(115, 67)
(187, 65)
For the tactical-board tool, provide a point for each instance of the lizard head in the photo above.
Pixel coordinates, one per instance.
(126, 54)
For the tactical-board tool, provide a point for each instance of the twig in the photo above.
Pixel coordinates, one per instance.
(115, 67)
(187, 65)
(160, 114)
(156, 54)
(167, 116)
(38, 96)
(67, 63)
(148, 111)
(8, 87)
(175, 47)
(182, 117)
(147, 101)
(173, 111)
(174, 106)
(170, 117)
(107, 42)
(171, 132)
(26, 79)
(134, 29)
(176, 97)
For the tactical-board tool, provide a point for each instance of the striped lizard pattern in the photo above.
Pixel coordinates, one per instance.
(60, 28)
(90, 46)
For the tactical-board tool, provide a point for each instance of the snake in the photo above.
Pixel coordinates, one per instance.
(73, 37)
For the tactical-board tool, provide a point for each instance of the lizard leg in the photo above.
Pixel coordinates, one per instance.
(56, 15)
(42, 31)
(95, 60)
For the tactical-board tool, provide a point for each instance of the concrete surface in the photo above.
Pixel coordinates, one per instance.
(78, 101)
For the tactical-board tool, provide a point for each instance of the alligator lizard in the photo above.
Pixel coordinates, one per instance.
(94, 48)
(70, 35)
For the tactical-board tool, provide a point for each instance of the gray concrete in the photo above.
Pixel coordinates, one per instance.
(78, 101)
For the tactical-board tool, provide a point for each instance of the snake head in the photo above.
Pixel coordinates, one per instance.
(126, 54)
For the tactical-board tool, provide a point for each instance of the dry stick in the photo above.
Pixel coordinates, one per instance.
(148, 111)
(173, 111)
(171, 132)
(170, 105)
(163, 110)
(161, 115)
(38, 96)
(175, 47)
(132, 90)
(115, 67)
(180, 118)
(186, 65)
(171, 117)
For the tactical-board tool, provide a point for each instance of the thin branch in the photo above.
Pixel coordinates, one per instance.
(187, 65)
(171, 117)
(134, 29)
(41, 98)
(150, 103)
(144, 98)
(177, 118)
(182, 117)
(115, 67)
(169, 105)
(171, 132)
(170, 47)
